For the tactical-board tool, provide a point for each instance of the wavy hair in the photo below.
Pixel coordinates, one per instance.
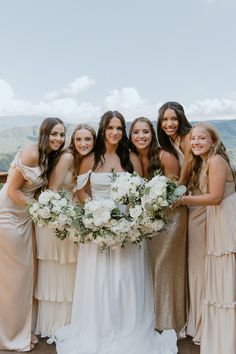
(198, 168)
(47, 160)
(154, 149)
(122, 149)
(183, 128)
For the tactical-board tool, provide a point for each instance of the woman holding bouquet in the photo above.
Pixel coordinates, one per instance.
(112, 309)
(173, 134)
(27, 173)
(57, 259)
(211, 174)
(168, 249)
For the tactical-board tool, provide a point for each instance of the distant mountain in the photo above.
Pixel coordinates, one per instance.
(14, 137)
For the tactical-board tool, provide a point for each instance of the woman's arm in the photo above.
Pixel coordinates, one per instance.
(87, 164)
(60, 170)
(136, 164)
(170, 165)
(29, 157)
(217, 176)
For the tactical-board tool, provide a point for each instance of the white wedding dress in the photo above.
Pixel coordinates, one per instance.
(113, 308)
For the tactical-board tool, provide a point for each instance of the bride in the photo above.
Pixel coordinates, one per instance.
(113, 309)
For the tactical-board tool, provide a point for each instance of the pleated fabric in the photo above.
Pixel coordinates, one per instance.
(219, 304)
(196, 269)
(57, 262)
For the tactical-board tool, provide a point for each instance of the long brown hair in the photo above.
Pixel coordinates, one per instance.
(154, 150)
(198, 168)
(46, 160)
(122, 149)
(183, 129)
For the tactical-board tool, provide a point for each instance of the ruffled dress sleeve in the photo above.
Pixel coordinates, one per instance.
(30, 174)
(82, 180)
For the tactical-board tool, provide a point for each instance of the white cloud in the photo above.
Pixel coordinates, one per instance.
(127, 100)
(215, 108)
(73, 89)
(6, 93)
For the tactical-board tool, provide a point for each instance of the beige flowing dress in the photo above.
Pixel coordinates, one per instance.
(168, 258)
(196, 269)
(219, 305)
(57, 262)
(16, 263)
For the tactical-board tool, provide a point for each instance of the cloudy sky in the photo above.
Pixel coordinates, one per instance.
(77, 58)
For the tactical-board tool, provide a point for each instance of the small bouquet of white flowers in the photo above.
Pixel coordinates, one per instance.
(159, 193)
(53, 210)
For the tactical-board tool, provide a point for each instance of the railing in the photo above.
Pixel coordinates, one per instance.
(3, 177)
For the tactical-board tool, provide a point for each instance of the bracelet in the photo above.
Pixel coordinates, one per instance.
(182, 200)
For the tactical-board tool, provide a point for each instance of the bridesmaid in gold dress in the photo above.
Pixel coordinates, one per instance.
(57, 259)
(211, 174)
(167, 249)
(170, 256)
(27, 174)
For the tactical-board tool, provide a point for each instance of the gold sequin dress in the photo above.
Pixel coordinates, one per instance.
(168, 258)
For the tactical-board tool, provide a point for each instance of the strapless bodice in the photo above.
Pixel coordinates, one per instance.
(100, 185)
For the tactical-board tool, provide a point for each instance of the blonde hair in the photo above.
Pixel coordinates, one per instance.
(198, 168)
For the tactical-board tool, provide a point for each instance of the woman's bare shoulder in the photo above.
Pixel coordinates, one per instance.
(87, 163)
(30, 156)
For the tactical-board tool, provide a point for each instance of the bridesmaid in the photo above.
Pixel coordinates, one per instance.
(167, 250)
(171, 260)
(27, 173)
(211, 174)
(57, 259)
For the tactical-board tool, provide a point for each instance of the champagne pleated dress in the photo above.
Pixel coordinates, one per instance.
(196, 269)
(16, 263)
(57, 262)
(219, 305)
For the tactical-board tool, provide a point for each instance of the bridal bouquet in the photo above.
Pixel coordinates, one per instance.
(53, 210)
(101, 222)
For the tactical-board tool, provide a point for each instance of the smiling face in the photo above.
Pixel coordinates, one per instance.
(141, 135)
(83, 141)
(201, 142)
(56, 137)
(114, 131)
(170, 123)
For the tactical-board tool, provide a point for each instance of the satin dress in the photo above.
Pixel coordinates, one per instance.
(16, 262)
(113, 309)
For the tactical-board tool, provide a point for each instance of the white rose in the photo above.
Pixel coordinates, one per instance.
(56, 209)
(45, 213)
(44, 197)
(136, 211)
(62, 202)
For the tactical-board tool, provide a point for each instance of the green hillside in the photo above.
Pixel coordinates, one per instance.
(12, 139)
